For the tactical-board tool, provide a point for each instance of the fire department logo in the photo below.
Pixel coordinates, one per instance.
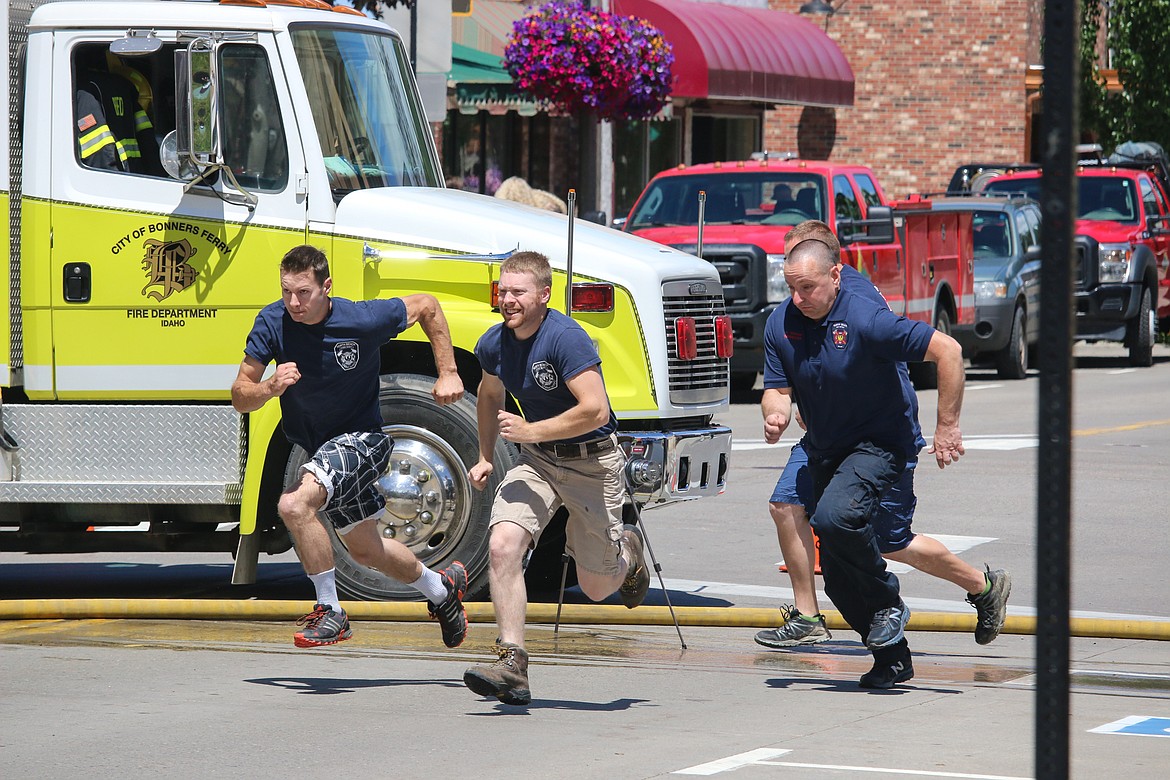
(545, 375)
(840, 335)
(347, 355)
(166, 266)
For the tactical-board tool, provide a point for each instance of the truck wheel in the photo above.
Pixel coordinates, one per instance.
(924, 375)
(1012, 361)
(1142, 331)
(430, 504)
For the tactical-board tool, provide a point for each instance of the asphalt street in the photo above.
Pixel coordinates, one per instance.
(151, 698)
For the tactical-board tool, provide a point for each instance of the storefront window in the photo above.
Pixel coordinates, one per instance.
(720, 138)
(641, 150)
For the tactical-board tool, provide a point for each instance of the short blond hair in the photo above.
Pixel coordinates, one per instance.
(814, 229)
(533, 263)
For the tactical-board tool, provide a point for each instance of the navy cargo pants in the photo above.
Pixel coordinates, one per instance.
(847, 490)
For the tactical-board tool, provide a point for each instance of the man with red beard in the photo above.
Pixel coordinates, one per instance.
(569, 456)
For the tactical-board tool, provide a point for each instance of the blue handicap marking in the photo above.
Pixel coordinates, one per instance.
(1137, 725)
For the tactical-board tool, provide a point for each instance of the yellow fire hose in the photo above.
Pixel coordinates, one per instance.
(571, 614)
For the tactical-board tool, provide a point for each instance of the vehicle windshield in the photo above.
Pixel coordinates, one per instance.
(1099, 198)
(370, 125)
(992, 235)
(764, 198)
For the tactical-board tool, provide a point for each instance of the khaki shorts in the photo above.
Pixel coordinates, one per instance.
(591, 488)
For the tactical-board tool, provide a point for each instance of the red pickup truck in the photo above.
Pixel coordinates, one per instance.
(921, 260)
(1122, 273)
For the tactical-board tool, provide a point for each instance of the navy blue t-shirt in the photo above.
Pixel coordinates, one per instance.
(534, 370)
(845, 371)
(339, 359)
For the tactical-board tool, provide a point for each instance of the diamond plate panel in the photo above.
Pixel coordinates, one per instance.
(118, 493)
(103, 444)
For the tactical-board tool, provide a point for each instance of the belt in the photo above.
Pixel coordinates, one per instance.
(578, 449)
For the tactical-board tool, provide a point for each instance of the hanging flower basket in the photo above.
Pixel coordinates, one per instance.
(575, 58)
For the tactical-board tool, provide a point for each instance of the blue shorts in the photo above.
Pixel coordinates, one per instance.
(891, 525)
(349, 467)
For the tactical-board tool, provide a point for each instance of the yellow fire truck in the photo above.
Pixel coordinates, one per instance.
(133, 275)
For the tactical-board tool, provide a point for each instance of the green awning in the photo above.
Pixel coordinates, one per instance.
(471, 66)
(482, 84)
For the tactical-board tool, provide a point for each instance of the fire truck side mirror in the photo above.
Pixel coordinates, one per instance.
(880, 225)
(198, 108)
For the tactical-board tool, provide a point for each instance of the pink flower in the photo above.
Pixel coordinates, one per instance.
(574, 58)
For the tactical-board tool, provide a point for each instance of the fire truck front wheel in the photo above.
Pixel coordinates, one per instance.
(430, 504)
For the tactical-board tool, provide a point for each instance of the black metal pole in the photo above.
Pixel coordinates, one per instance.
(1054, 472)
(414, 36)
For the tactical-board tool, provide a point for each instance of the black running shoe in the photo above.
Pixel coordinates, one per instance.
(991, 607)
(890, 667)
(322, 626)
(450, 614)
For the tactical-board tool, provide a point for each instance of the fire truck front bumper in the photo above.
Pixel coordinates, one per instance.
(665, 466)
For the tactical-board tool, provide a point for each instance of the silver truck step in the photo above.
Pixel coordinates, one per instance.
(136, 454)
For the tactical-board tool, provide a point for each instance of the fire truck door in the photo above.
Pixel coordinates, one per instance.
(153, 290)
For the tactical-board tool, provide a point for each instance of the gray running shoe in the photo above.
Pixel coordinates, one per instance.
(323, 626)
(506, 679)
(888, 626)
(795, 631)
(991, 606)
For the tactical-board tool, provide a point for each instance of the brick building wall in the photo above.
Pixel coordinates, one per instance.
(937, 84)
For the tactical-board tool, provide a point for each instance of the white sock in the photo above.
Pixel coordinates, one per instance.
(431, 585)
(326, 585)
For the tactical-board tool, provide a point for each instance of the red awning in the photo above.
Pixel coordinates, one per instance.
(728, 52)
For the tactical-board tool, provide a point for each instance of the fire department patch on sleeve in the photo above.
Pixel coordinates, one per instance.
(840, 334)
(85, 123)
(545, 375)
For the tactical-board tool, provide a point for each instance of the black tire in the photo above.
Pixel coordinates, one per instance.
(543, 573)
(434, 446)
(924, 375)
(1011, 362)
(1141, 333)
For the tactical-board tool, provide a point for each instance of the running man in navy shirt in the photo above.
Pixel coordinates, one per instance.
(986, 591)
(569, 457)
(837, 352)
(327, 354)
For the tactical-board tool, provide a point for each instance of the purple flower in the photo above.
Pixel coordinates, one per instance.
(574, 58)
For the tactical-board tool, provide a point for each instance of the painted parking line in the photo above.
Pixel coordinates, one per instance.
(1000, 443)
(1136, 726)
(768, 756)
(731, 763)
(778, 594)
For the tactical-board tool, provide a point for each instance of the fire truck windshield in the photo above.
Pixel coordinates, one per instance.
(370, 124)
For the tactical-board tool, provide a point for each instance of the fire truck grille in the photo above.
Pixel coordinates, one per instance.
(704, 379)
(1080, 274)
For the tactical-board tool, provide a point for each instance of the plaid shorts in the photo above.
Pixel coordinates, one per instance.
(348, 467)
